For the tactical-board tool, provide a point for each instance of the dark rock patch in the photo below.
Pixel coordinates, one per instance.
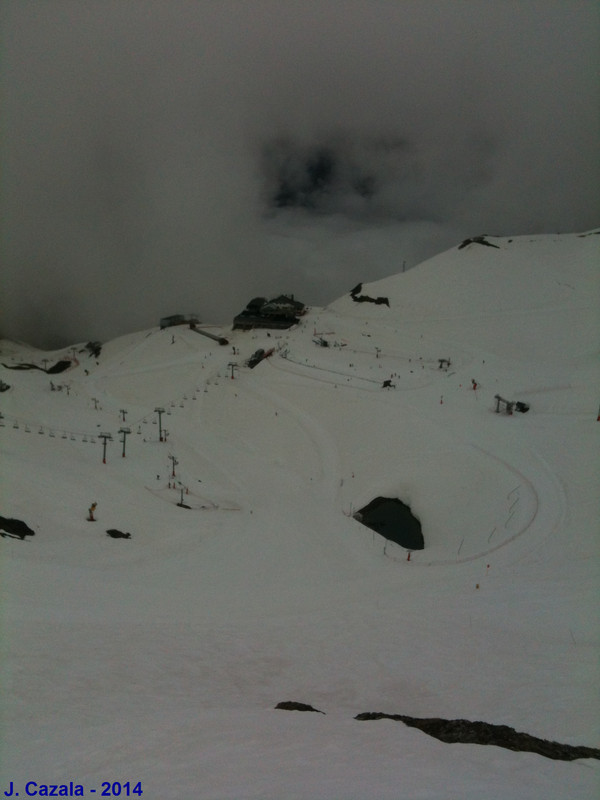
(60, 366)
(292, 705)
(15, 528)
(477, 240)
(22, 366)
(463, 731)
(356, 295)
(94, 349)
(392, 519)
(115, 534)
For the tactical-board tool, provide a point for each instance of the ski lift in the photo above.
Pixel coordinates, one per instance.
(41, 430)
(84, 439)
(64, 435)
(27, 429)
(73, 438)
(92, 440)
(52, 436)
(16, 425)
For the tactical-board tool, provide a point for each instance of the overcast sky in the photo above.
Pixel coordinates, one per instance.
(160, 157)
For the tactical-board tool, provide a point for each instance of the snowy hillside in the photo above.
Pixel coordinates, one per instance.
(247, 581)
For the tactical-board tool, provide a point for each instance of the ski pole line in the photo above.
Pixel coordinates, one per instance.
(28, 426)
(18, 423)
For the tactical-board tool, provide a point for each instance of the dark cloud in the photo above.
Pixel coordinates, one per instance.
(183, 156)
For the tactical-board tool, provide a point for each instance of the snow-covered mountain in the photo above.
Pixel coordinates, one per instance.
(247, 581)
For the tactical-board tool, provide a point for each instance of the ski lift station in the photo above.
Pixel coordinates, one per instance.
(179, 319)
(280, 313)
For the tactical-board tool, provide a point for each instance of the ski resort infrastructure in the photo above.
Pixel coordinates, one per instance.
(223, 571)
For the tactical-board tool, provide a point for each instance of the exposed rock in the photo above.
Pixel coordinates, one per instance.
(292, 705)
(364, 298)
(477, 240)
(94, 348)
(14, 528)
(60, 366)
(394, 520)
(464, 731)
(115, 534)
(22, 366)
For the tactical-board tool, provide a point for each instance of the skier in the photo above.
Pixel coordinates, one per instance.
(91, 510)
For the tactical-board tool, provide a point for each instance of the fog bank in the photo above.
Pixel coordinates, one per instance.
(166, 157)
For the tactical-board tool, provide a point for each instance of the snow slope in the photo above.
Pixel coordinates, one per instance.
(160, 658)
